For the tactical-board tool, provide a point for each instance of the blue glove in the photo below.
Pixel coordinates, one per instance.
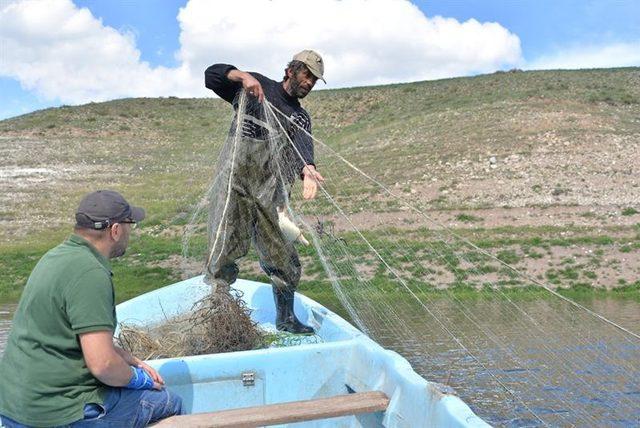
(139, 379)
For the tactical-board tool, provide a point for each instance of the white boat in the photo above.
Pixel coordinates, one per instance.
(342, 362)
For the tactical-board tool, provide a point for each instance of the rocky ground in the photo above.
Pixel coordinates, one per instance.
(544, 157)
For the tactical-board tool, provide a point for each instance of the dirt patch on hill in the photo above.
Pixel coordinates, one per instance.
(598, 218)
(41, 182)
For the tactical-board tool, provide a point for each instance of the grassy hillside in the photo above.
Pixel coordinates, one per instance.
(501, 156)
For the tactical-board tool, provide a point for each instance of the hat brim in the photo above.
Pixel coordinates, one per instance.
(137, 214)
(317, 75)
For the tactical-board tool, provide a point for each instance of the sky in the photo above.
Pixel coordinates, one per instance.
(70, 52)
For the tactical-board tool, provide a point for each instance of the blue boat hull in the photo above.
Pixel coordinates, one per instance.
(345, 361)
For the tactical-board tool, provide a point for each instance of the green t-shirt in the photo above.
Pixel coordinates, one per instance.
(44, 380)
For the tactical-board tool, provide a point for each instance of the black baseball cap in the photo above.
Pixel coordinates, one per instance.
(100, 209)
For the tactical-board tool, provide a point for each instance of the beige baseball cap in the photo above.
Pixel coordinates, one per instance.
(313, 61)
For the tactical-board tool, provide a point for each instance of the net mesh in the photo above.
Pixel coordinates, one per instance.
(219, 322)
(412, 284)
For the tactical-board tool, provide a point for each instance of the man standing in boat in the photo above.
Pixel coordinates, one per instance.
(256, 198)
(60, 366)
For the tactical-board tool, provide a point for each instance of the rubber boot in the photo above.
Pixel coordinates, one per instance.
(286, 319)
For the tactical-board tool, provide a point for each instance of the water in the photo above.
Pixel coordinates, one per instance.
(569, 375)
(567, 402)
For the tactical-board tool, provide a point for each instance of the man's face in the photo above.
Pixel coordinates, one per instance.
(122, 241)
(301, 83)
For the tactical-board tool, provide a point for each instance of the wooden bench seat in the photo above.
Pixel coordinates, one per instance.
(282, 413)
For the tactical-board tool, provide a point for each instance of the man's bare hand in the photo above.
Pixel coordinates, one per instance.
(312, 179)
(158, 382)
(249, 83)
(252, 87)
(157, 379)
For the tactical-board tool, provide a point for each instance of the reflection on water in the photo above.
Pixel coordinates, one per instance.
(541, 367)
(6, 314)
(576, 371)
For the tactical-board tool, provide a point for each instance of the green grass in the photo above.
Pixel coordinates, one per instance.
(468, 218)
(134, 273)
(16, 266)
(508, 256)
(169, 147)
(146, 267)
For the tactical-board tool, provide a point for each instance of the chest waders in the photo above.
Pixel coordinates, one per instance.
(244, 198)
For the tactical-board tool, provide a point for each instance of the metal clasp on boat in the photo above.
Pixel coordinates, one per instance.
(248, 378)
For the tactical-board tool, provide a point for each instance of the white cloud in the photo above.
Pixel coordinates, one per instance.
(612, 55)
(363, 42)
(63, 52)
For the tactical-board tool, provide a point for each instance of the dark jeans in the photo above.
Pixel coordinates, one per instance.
(123, 408)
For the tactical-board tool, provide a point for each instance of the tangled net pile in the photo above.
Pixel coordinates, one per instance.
(220, 322)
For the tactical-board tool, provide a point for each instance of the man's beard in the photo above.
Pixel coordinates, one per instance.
(119, 249)
(296, 89)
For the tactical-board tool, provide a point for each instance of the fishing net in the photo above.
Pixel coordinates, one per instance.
(411, 283)
(219, 322)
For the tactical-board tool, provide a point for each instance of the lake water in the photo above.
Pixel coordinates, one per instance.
(607, 362)
(575, 371)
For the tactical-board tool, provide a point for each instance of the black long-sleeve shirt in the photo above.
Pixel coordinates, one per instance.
(216, 79)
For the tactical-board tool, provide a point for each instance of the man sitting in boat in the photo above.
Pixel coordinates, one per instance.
(248, 208)
(60, 365)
